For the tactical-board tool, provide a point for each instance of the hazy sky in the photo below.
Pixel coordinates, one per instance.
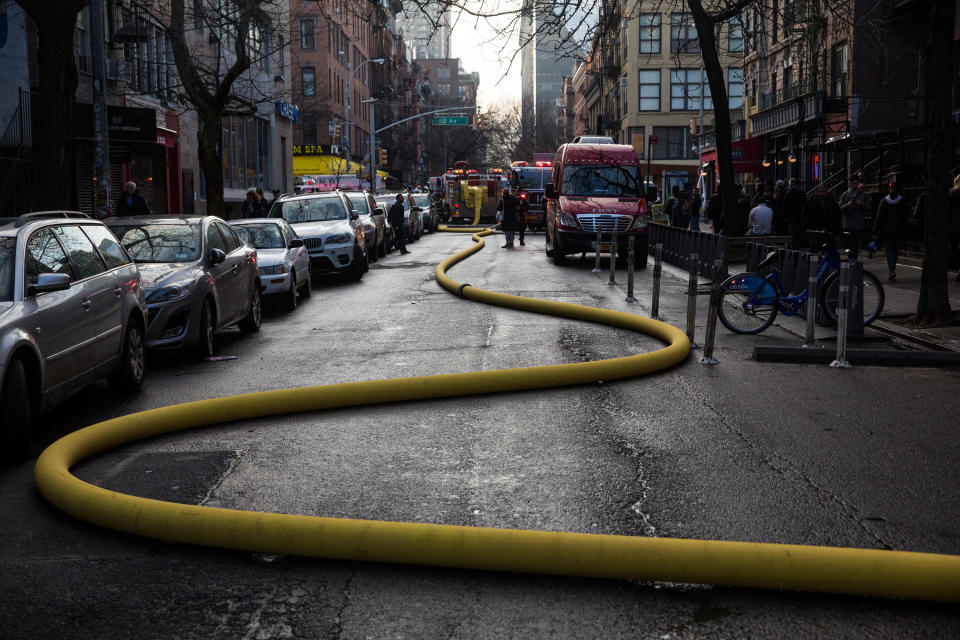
(481, 49)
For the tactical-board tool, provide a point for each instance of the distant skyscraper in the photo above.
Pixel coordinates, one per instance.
(543, 64)
(425, 39)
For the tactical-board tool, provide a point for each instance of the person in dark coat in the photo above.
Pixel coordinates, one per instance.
(821, 213)
(855, 204)
(890, 225)
(668, 205)
(512, 214)
(131, 203)
(793, 202)
(735, 223)
(715, 210)
(396, 219)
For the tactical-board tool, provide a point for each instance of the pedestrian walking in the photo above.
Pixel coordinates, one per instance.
(821, 213)
(761, 220)
(793, 202)
(692, 203)
(131, 203)
(252, 205)
(854, 204)
(511, 210)
(890, 225)
(396, 219)
(669, 205)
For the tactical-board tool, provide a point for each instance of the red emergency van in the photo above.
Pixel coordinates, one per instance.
(596, 187)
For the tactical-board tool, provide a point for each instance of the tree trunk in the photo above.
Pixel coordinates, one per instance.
(721, 107)
(55, 178)
(934, 303)
(209, 126)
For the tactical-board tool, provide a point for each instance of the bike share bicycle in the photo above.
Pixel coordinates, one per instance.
(749, 302)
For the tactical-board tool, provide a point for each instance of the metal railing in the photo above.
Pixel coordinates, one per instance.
(679, 243)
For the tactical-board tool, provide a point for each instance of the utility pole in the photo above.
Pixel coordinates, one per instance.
(101, 160)
(372, 174)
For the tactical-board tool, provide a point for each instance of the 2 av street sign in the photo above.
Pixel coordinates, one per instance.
(451, 119)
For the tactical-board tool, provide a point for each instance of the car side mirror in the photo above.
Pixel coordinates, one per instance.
(551, 191)
(296, 242)
(217, 256)
(354, 214)
(378, 212)
(49, 282)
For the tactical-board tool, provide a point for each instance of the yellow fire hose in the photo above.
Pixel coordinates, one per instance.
(740, 564)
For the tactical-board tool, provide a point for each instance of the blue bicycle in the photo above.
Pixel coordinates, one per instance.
(749, 303)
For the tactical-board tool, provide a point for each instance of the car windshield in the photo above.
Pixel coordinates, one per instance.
(262, 236)
(388, 201)
(421, 200)
(160, 242)
(310, 210)
(8, 249)
(594, 180)
(359, 202)
(531, 178)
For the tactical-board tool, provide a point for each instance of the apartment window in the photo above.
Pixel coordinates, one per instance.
(735, 36)
(308, 33)
(685, 87)
(625, 94)
(650, 90)
(673, 143)
(735, 88)
(649, 33)
(775, 21)
(838, 69)
(683, 34)
(309, 80)
(245, 147)
(81, 40)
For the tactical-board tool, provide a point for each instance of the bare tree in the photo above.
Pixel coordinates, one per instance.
(56, 22)
(214, 72)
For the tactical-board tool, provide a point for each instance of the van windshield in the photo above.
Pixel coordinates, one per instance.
(608, 181)
(531, 177)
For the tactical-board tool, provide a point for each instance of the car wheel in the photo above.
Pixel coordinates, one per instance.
(251, 322)
(133, 360)
(307, 289)
(372, 252)
(358, 267)
(558, 257)
(290, 300)
(205, 338)
(382, 248)
(17, 410)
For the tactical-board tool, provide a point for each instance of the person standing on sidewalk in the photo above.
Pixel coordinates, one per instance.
(854, 204)
(890, 226)
(395, 218)
(793, 203)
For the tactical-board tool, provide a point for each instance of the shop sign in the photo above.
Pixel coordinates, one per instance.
(288, 111)
(123, 123)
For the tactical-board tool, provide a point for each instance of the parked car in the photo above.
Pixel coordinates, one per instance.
(72, 311)
(282, 259)
(331, 230)
(374, 221)
(428, 214)
(198, 277)
(411, 216)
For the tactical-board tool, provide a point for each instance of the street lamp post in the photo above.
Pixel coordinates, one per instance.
(346, 106)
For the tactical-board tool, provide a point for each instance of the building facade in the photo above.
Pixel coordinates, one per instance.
(426, 31)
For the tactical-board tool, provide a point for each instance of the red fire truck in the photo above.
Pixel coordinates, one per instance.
(470, 196)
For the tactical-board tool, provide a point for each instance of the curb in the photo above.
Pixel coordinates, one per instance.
(868, 357)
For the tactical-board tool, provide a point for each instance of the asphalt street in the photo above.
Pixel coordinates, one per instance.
(800, 454)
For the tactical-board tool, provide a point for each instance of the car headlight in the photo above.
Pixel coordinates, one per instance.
(166, 294)
(368, 227)
(568, 220)
(640, 222)
(273, 269)
(340, 238)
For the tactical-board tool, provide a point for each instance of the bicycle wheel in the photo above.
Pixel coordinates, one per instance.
(873, 297)
(747, 304)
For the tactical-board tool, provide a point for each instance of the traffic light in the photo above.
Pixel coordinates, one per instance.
(477, 122)
(337, 133)
(382, 157)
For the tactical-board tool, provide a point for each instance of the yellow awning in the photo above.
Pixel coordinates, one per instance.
(323, 165)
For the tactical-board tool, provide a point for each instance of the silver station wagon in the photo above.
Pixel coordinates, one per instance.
(72, 311)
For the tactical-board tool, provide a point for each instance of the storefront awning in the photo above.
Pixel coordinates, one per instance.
(747, 155)
(323, 165)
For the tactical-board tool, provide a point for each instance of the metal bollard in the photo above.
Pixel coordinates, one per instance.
(814, 267)
(657, 271)
(596, 262)
(693, 260)
(630, 260)
(712, 314)
(613, 256)
(841, 358)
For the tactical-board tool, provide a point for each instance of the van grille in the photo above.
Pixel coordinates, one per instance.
(604, 222)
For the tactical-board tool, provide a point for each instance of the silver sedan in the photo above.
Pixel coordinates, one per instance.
(282, 261)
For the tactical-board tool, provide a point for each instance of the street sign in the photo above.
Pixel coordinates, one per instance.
(451, 119)
(653, 140)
